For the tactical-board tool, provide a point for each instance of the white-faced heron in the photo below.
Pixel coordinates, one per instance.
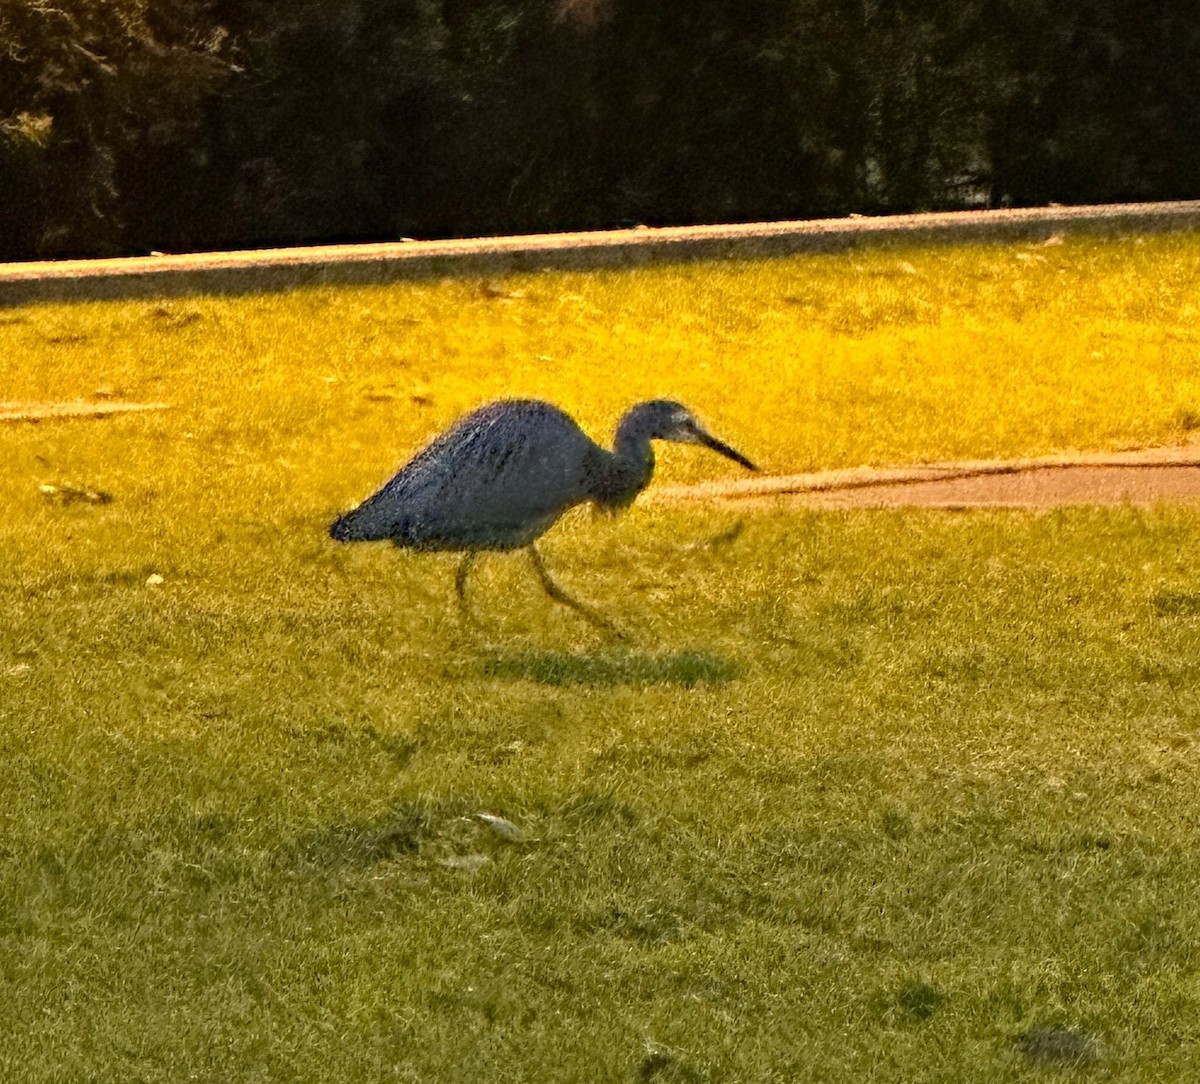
(501, 476)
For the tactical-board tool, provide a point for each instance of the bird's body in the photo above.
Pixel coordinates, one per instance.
(497, 479)
(501, 476)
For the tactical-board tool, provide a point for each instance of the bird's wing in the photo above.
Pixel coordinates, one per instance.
(491, 479)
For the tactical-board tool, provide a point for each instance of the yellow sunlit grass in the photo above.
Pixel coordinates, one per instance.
(865, 796)
(881, 356)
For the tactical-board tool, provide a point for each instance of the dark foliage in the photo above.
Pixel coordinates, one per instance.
(133, 125)
(104, 109)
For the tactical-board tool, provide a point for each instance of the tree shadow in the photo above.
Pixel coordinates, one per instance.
(1176, 603)
(609, 670)
(363, 843)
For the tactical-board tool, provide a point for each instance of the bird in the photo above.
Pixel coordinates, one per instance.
(503, 474)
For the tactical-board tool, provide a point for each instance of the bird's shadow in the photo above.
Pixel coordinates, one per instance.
(612, 669)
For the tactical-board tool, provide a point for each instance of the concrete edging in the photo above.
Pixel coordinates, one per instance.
(281, 269)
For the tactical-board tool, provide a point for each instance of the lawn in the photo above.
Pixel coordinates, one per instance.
(866, 796)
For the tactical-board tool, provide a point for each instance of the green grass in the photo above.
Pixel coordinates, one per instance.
(869, 795)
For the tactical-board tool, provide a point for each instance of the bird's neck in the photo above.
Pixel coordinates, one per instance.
(632, 462)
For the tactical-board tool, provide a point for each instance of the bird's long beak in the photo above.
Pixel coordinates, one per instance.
(719, 446)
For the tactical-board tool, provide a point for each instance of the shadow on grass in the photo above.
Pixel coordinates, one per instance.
(367, 842)
(1176, 603)
(686, 668)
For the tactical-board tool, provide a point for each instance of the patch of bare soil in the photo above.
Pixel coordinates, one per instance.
(77, 408)
(1145, 476)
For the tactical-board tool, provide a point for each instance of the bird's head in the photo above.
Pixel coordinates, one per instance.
(663, 419)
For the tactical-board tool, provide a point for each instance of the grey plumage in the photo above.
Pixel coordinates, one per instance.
(502, 475)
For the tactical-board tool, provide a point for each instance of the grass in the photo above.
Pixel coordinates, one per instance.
(871, 795)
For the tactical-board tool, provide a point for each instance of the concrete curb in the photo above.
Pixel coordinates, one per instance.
(281, 269)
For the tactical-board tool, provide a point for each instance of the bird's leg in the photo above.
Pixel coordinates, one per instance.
(460, 586)
(559, 595)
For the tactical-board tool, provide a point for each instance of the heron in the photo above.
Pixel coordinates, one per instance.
(502, 475)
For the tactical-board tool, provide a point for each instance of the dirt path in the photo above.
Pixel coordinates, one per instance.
(78, 408)
(1145, 476)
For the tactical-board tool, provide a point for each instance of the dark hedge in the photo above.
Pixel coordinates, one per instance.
(135, 125)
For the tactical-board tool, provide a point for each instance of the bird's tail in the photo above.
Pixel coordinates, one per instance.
(342, 529)
(363, 524)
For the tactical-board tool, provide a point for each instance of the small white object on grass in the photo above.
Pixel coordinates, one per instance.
(154, 580)
(64, 494)
(505, 829)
